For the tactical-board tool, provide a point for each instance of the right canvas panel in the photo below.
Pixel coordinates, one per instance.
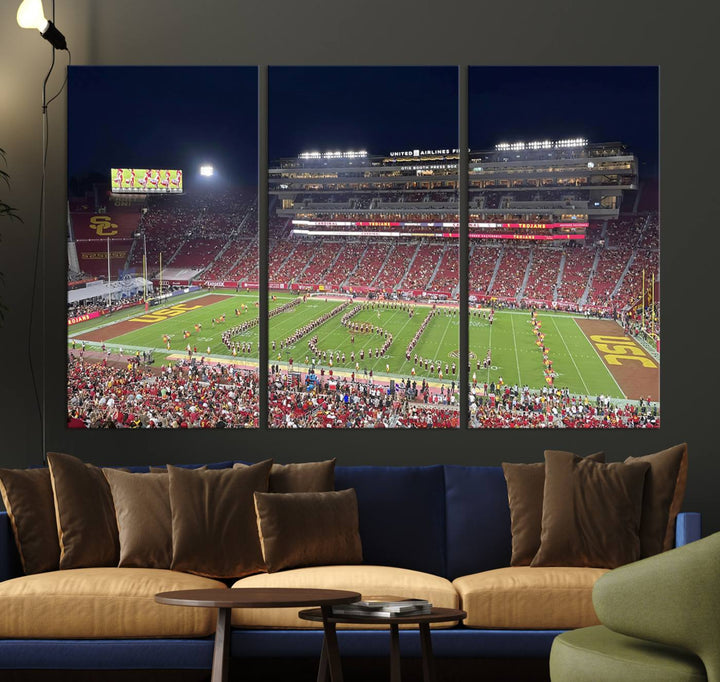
(564, 247)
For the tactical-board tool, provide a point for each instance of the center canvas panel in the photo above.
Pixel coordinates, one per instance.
(363, 247)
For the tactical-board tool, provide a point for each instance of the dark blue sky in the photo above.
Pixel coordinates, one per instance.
(602, 104)
(379, 109)
(163, 117)
(179, 117)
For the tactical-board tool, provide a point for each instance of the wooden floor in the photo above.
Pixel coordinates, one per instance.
(305, 670)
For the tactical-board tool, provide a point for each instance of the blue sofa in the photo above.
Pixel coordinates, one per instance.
(447, 521)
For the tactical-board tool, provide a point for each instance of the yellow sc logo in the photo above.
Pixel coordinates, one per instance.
(103, 226)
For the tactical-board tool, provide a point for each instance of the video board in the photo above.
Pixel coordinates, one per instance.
(151, 180)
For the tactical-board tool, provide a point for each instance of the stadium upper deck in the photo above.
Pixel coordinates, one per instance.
(564, 181)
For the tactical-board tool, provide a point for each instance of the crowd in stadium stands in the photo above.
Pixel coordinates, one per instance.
(322, 258)
(514, 407)
(101, 305)
(423, 267)
(201, 395)
(349, 256)
(227, 260)
(578, 263)
(196, 395)
(511, 271)
(543, 275)
(394, 270)
(372, 261)
(339, 402)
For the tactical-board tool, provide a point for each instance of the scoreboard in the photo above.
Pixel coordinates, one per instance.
(146, 180)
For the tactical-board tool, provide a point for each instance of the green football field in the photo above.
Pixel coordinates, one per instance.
(514, 354)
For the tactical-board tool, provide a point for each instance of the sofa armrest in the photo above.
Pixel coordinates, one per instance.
(688, 528)
(672, 598)
(10, 566)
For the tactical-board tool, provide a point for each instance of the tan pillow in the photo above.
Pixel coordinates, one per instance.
(591, 512)
(28, 498)
(214, 532)
(663, 498)
(300, 477)
(308, 529)
(84, 513)
(142, 509)
(525, 484)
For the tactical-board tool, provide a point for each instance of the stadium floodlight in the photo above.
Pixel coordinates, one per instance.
(30, 14)
(207, 171)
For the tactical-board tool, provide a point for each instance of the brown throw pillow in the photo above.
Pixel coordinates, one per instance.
(142, 508)
(214, 532)
(300, 477)
(84, 512)
(591, 512)
(28, 498)
(663, 498)
(525, 484)
(308, 529)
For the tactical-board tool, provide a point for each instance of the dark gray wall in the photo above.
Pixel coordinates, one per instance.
(283, 32)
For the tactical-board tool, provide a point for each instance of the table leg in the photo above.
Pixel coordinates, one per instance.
(221, 652)
(323, 667)
(331, 645)
(428, 661)
(395, 668)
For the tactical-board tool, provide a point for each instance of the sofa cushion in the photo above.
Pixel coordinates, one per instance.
(662, 498)
(101, 603)
(402, 514)
(478, 520)
(28, 498)
(214, 530)
(591, 512)
(85, 514)
(308, 529)
(142, 508)
(368, 580)
(526, 485)
(522, 597)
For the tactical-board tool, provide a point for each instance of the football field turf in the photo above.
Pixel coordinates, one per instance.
(515, 355)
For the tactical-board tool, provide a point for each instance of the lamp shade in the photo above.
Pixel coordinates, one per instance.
(30, 14)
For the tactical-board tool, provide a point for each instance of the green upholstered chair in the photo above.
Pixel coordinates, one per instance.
(660, 622)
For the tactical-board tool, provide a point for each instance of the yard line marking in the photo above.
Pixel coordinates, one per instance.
(572, 358)
(517, 359)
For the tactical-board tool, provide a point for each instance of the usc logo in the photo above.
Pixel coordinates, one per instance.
(103, 226)
(619, 349)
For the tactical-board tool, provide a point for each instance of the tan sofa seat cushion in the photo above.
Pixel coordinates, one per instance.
(368, 580)
(106, 602)
(522, 597)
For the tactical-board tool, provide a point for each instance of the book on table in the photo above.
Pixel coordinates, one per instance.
(383, 607)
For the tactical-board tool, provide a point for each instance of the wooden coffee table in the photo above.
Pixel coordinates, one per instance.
(331, 653)
(258, 598)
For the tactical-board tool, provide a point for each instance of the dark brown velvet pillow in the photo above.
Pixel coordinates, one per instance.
(214, 532)
(28, 498)
(84, 512)
(144, 519)
(300, 477)
(591, 512)
(663, 498)
(525, 484)
(308, 529)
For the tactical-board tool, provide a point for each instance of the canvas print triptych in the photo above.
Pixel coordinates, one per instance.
(363, 254)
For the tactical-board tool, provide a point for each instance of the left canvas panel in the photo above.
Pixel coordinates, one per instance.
(162, 299)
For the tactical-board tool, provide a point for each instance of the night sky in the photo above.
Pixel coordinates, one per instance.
(602, 104)
(163, 117)
(180, 117)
